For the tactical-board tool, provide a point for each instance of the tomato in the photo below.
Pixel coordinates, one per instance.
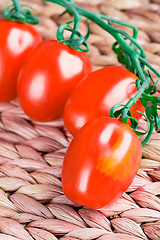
(16, 42)
(47, 79)
(97, 94)
(100, 162)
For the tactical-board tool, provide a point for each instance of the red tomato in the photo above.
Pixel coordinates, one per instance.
(100, 162)
(97, 94)
(47, 79)
(16, 42)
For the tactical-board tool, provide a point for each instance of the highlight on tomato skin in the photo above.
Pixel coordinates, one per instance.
(97, 93)
(17, 40)
(48, 78)
(101, 162)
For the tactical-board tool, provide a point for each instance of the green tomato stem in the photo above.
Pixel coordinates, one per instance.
(17, 5)
(16, 13)
(77, 17)
(151, 127)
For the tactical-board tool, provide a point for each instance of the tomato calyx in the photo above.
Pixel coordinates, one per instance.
(76, 41)
(18, 14)
(150, 104)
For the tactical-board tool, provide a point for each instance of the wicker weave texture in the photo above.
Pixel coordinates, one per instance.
(32, 203)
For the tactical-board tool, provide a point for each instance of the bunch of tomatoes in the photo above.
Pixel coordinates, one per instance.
(52, 81)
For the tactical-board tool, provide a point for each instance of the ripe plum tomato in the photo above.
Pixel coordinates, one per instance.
(47, 79)
(97, 94)
(16, 42)
(101, 162)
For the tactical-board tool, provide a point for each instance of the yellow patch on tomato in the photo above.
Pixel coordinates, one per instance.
(106, 165)
(111, 168)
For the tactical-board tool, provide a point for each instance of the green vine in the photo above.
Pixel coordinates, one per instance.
(19, 14)
(131, 54)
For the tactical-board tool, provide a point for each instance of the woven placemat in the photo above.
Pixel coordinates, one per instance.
(32, 203)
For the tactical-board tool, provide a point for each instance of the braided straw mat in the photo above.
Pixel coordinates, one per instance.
(32, 203)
